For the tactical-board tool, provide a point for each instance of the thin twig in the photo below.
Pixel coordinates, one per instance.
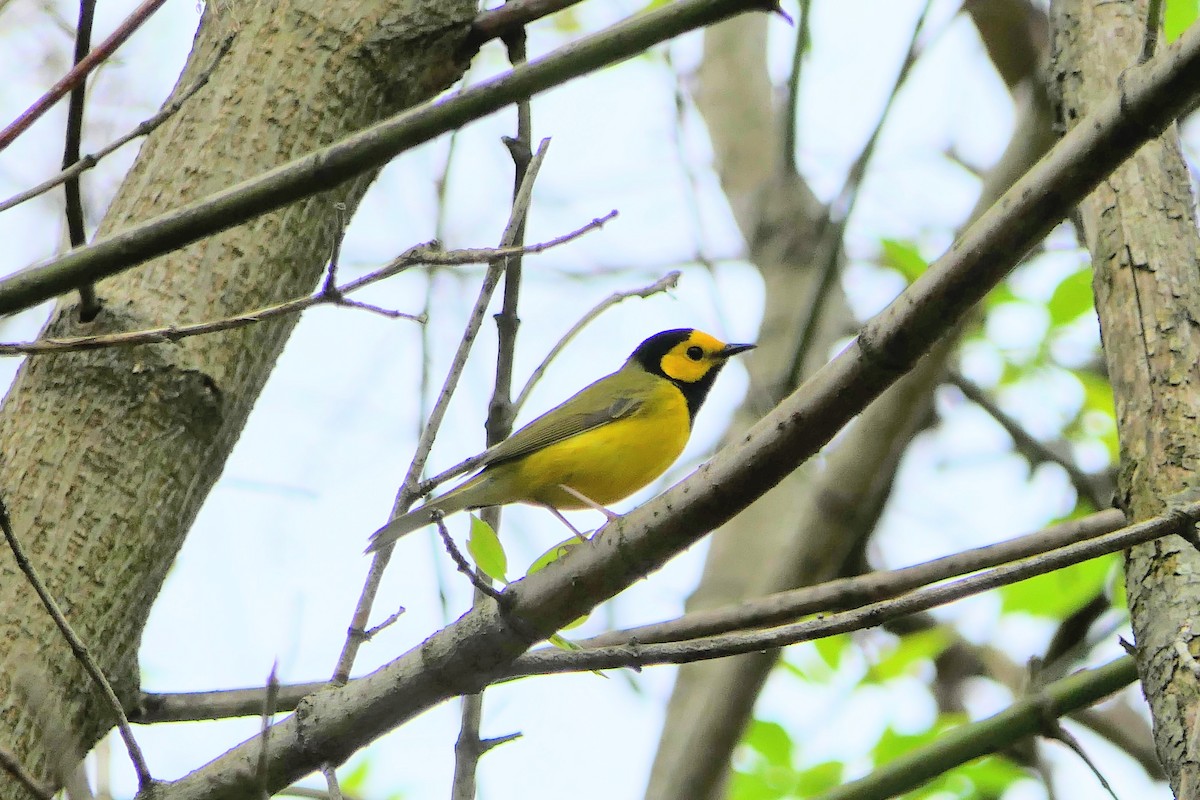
(424, 254)
(79, 649)
(331, 780)
(368, 149)
(791, 111)
(460, 561)
(146, 126)
(1054, 729)
(408, 488)
(442, 191)
(829, 258)
(468, 748)
(10, 764)
(79, 72)
(371, 633)
(89, 304)
(695, 214)
(552, 660)
(1154, 24)
(668, 281)
(514, 15)
(1025, 443)
(835, 595)
(268, 711)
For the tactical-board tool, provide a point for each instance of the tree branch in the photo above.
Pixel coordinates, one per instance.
(80, 650)
(482, 643)
(368, 149)
(839, 594)
(429, 253)
(79, 72)
(960, 745)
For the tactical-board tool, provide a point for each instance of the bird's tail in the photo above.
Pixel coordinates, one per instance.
(405, 524)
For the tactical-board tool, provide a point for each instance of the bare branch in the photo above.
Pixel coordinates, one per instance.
(10, 764)
(668, 281)
(478, 581)
(425, 254)
(79, 649)
(483, 642)
(638, 655)
(79, 72)
(267, 712)
(1026, 444)
(368, 149)
(840, 594)
(842, 206)
(145, 127)
(89, 305)
(408, 489)
(514, 15)
(955, 747)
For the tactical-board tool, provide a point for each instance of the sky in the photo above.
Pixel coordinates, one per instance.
(318, 465)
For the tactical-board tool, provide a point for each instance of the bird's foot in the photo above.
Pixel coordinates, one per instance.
(589, 502)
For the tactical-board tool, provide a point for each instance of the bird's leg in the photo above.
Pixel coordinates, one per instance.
(566, 522)
(589, 502)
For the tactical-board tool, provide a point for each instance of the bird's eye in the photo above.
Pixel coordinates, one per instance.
(695, 353)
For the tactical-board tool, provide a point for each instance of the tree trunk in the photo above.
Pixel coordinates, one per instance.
(1141, 231)
(108, 455)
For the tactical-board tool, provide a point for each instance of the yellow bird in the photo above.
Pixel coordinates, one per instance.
(600, 446)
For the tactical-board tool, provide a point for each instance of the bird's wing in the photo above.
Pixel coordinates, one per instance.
(592, 407)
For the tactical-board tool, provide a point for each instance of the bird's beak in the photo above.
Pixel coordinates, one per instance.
(733, 349)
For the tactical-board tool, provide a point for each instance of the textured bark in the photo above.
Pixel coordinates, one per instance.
(1140, 229)
(806, 529)
(107, 456)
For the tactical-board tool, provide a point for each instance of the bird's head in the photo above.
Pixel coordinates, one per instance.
(687, 357)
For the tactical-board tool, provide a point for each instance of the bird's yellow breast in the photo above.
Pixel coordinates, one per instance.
(610, 462)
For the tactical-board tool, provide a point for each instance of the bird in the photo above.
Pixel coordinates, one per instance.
(599, 446)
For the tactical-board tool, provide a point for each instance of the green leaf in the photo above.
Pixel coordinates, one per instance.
(354, 782)
(484, 546)
(1000, 295)
(1072, 297)
(1178, 16)
(755, 785)
(832, 649)
(1060, 593)
(1097, 392)
(904, 257)
(563, 643)
(819, 778)
(771, 741)
(553, 554)
(893, 744)
(912, 650)
(991, 775)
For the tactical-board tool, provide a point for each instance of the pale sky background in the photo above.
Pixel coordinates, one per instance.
(318, 465)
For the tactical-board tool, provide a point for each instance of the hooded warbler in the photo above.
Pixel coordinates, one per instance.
(601, 445)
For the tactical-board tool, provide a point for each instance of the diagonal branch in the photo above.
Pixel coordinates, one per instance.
(89, 305)
(775, 609)
(429, 253)
(956, 747)
(80, 650)
(409, 487)
(358, 153)
(78, 167)
(79, 72)
(484, 642)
